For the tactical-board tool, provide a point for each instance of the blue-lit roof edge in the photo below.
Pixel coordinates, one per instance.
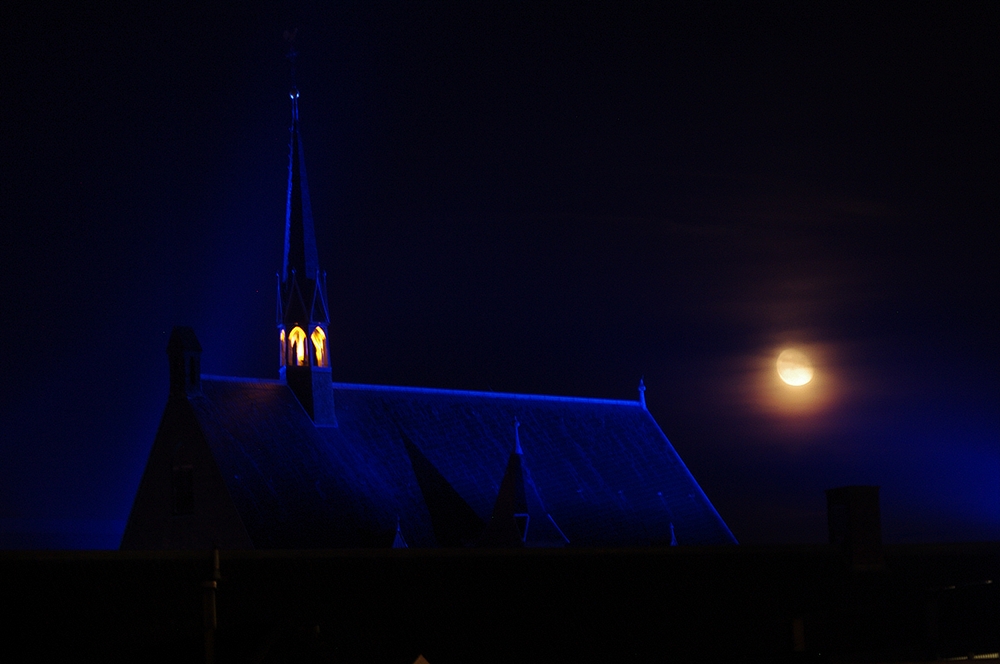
(473, 393)
(435, 390)
(687, 470)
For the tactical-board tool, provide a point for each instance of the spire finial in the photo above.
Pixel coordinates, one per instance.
(300, 238)
(517, 437)
(642, 393)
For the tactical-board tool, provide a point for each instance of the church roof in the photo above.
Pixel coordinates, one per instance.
(597, 472)
(301, 465)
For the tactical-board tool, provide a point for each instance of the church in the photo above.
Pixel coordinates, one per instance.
(303, 462)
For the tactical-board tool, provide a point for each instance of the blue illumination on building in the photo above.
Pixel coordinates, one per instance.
(303, 462)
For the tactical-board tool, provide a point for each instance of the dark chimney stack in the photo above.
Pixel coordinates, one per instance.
(184, 355)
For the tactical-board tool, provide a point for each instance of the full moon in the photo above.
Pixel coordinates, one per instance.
(794, 367)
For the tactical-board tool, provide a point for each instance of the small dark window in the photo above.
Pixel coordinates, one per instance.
(182, 490)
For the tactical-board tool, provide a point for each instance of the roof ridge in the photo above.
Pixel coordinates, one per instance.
(495, 395)
(434, 390)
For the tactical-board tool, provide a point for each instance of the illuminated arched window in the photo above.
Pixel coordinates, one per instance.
(319, 343)
(281, 338)
(297, 347)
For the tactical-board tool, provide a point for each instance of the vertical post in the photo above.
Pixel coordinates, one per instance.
(210, 621)
(798, 634)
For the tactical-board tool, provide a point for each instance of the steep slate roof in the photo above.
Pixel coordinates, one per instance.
(596, 472)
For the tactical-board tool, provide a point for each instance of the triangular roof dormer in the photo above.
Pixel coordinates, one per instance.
(508, 525)
(519, 517)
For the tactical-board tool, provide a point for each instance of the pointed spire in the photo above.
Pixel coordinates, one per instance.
(300, 235)
(280, 313)
(642, 393)
(399, 542)
(319, 309)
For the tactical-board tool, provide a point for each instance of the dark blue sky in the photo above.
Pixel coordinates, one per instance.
(545, 200)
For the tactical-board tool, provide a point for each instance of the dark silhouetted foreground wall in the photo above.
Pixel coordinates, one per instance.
(682, 604)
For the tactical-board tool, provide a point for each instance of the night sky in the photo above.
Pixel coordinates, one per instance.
(554, 200)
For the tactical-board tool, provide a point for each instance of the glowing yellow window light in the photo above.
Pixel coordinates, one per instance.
(297, 346)
(319, 343)
(281, 338)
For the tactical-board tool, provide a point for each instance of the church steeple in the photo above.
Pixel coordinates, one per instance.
(303, 314)
(300, 236)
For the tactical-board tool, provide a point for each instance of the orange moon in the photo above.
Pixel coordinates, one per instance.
(794, 367)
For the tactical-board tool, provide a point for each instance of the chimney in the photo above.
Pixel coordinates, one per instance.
(184, 354)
